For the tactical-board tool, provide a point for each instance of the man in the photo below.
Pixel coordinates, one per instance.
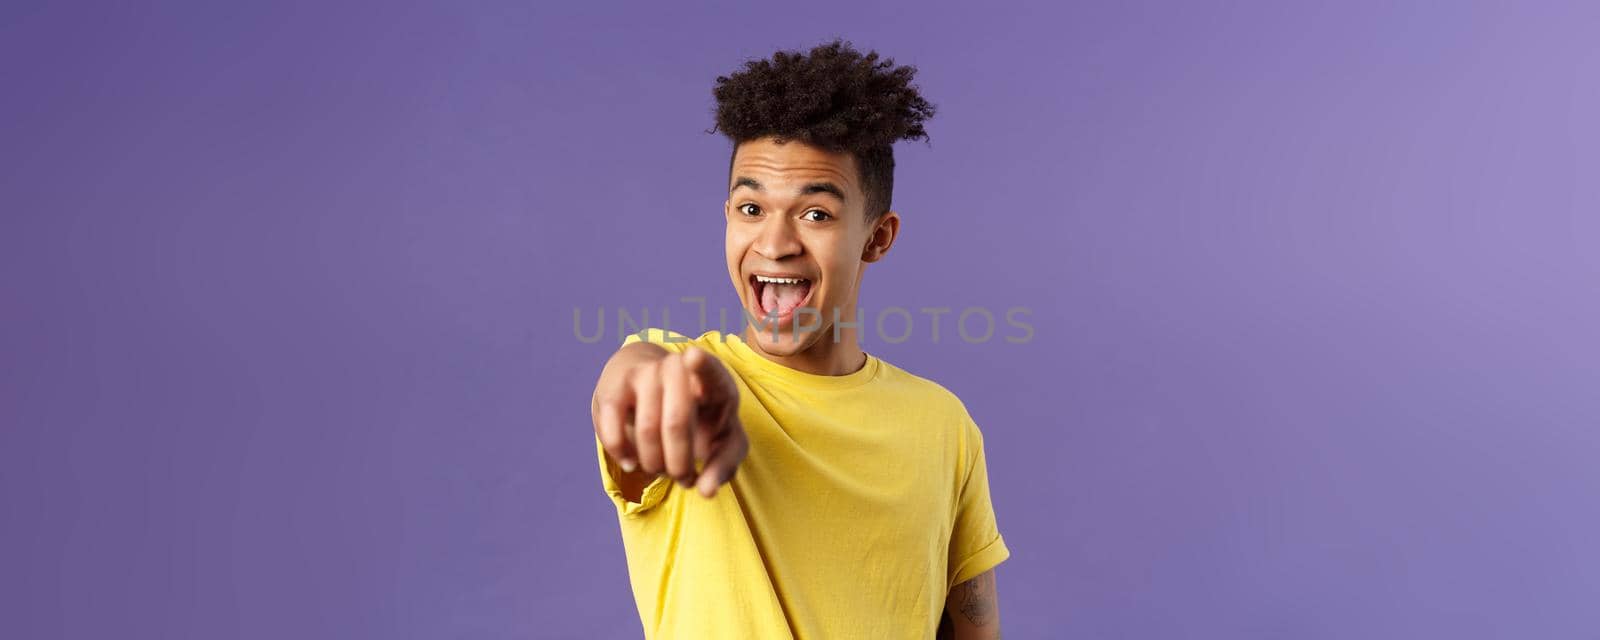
(861, 505)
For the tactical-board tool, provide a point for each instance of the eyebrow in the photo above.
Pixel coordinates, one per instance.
(808, 189)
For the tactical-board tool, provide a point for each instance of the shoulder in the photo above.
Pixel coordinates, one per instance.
(933, 398)
(941, 417)
(924, 390)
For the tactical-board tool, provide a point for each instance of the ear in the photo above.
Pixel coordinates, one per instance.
(884, 231)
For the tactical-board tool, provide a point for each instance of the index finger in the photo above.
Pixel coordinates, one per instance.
(711, 381)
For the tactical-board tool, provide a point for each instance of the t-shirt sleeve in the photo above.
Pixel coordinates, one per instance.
(652, 495)
(975, 542)
(658, 488)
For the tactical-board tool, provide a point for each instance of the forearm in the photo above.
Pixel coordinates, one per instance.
(974, 609)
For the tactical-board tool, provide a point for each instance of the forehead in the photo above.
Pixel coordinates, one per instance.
(793, 162)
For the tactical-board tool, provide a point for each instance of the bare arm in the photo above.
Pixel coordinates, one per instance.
(972, 610)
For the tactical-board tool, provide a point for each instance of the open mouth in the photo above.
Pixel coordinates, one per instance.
(778, 296)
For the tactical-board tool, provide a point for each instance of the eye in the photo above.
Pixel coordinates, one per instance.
(816, 215)
(743, 209)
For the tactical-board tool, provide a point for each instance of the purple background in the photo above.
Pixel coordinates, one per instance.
(286, 341)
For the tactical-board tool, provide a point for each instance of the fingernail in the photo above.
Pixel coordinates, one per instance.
(628, 464)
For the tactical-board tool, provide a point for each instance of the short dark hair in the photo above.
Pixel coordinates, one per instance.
(834, 98)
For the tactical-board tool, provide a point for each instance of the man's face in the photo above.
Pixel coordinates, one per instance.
(797, 239)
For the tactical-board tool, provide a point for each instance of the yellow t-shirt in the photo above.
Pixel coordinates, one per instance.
(863, 500)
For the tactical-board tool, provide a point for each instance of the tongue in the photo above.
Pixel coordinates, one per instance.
(779, 299)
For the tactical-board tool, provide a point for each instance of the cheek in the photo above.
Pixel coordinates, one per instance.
(839, 267)
(735, 246)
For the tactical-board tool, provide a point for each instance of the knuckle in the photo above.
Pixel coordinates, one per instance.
(610, 398)
(646, 428)
(646, 387)
(675, 426)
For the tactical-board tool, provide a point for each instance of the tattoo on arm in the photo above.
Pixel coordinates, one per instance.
(976, 599)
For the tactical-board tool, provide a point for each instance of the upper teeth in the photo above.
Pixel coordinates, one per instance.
(779, 280)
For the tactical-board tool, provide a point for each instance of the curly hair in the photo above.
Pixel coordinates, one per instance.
(834, 98)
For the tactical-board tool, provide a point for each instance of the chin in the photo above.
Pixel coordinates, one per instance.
(785, 345)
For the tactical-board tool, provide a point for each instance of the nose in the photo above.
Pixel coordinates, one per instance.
(777, 239)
